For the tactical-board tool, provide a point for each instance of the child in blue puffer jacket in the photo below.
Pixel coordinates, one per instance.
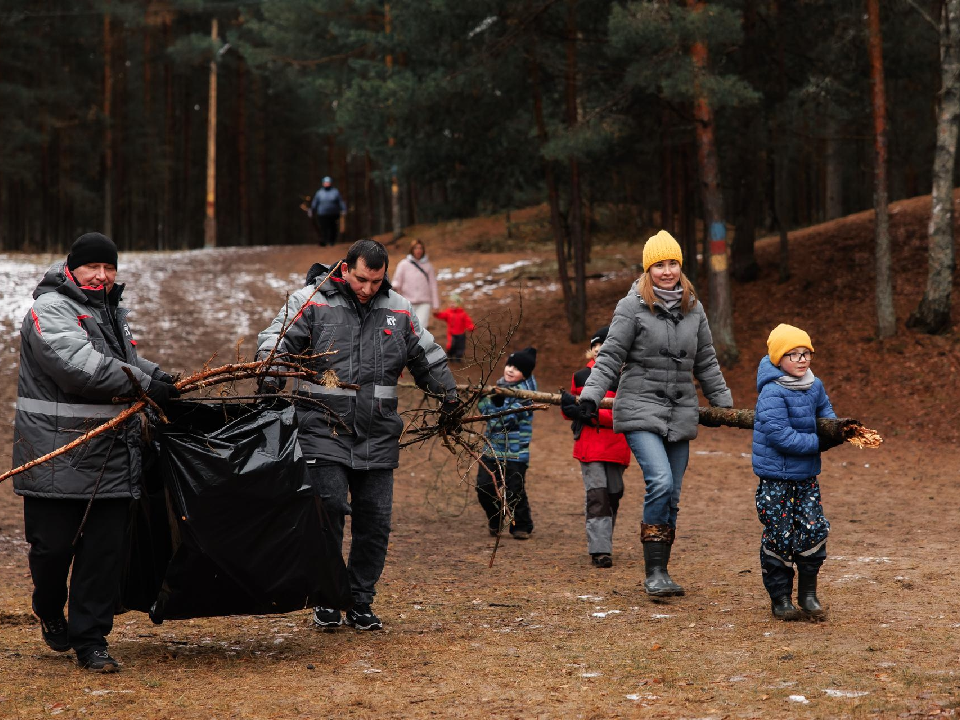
(506, 451)
(786, 458)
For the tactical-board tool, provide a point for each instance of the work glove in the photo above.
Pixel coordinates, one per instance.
(268, 386)
(585, 413)
(828, 443)
(160, 375)
(449, 420)
(162, 392)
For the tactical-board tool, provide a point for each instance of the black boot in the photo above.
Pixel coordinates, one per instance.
(677, 590)
(658, 583)
(784, 609)
(807, 595)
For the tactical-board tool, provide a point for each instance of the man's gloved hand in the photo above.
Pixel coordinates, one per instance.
(162, 392)
(267, 385)
(449, 420)
(828, 443)
(160, 375)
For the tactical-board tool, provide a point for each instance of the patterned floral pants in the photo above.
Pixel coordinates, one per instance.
(794, 531)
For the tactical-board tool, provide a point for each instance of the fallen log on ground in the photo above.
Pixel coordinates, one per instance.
(833, 429)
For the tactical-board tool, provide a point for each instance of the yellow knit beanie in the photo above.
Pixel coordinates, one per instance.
(784, 338)
(661, 247)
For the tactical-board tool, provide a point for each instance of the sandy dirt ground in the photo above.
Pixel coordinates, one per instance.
(542, 634)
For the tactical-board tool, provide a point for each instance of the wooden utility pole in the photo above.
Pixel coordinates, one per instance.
(210, 221)
(721, 297)
(886, 316)
(107, 126)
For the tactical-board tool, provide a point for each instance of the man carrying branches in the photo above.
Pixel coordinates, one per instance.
(349, 326)
(76, 351)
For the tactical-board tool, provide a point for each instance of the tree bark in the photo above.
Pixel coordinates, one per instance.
(833, 172)
(886, 316)
(578, 324)
(107, 127)
(721, 298)
(210, 217)
(933, 314)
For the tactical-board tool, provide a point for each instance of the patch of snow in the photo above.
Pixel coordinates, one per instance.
(799, 699)
(833, 692)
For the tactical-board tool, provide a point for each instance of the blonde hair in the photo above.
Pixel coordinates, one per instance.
(687, 300)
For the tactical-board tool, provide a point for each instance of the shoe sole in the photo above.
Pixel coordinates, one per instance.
(56, 648)
(108, 668)
(358, 626)
(665, 593)
(327, 626)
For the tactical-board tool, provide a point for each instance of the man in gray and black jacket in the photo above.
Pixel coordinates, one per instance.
(75, 345)
(365, 334)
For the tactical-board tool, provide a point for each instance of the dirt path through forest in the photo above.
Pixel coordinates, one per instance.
(542, 634)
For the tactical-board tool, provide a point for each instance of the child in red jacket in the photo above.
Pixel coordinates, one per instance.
(603, 456)
(458, 325)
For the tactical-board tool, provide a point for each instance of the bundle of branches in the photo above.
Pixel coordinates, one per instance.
(834, 429)
(232, 373)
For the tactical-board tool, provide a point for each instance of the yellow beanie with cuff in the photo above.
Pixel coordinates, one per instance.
(660, 247)
(784, 338)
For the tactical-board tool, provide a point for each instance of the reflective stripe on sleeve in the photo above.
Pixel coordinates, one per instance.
(435, 355)
(45, 407)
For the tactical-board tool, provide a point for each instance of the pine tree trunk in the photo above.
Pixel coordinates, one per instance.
(108, 127)
(933, 314)
(833, 171)
(667, 204)
(553, 194)
(886, 317)
(578, 315)
(721, 298)
(243, 174)
(210, 217)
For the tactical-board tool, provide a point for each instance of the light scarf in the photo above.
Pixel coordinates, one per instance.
(669, 298)
(797, 383)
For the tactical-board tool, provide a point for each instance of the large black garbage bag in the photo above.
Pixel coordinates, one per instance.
(228, 523)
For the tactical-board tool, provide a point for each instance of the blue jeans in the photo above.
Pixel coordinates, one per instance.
(663, 464)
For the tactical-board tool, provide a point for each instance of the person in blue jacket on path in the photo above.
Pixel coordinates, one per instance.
(326, 208)
(786, 458)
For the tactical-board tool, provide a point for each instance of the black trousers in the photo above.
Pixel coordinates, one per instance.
(458, 345)
(328, 226)
(515, 475)
(97, 562)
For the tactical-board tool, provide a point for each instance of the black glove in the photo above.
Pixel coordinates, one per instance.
(568, 404)
(268, 386)
(449, 420)
(160, 375)
(498, 399)
(828, 443)
(162, 392)
(585, 413)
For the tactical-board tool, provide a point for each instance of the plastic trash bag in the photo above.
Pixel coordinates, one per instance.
(228, 523)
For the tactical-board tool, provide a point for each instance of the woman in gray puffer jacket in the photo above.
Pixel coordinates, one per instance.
(659, 340)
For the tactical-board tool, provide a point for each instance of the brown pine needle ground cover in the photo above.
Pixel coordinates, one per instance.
(542, 633)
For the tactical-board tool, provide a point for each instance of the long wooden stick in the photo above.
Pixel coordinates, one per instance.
(834, 429)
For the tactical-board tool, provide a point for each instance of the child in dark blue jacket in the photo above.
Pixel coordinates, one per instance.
(786, 458)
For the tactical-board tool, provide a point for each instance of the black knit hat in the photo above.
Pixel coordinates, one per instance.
(92, 248)
(524, 360)
(600, 335)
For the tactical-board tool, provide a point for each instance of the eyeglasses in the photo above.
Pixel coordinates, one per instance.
(799, 356)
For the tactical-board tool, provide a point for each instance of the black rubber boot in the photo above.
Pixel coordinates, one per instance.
(784, 609)
(677, 590)
(807, 595)
(658, 583)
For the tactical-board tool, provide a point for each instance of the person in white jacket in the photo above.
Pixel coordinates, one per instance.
(416, 280)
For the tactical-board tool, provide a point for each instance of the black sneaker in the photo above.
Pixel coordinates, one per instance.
(54, 631)
(601, 560)
(98, 660)
(327, 618)
(361, 617)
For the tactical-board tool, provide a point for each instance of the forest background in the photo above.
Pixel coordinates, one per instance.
(736, 117)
